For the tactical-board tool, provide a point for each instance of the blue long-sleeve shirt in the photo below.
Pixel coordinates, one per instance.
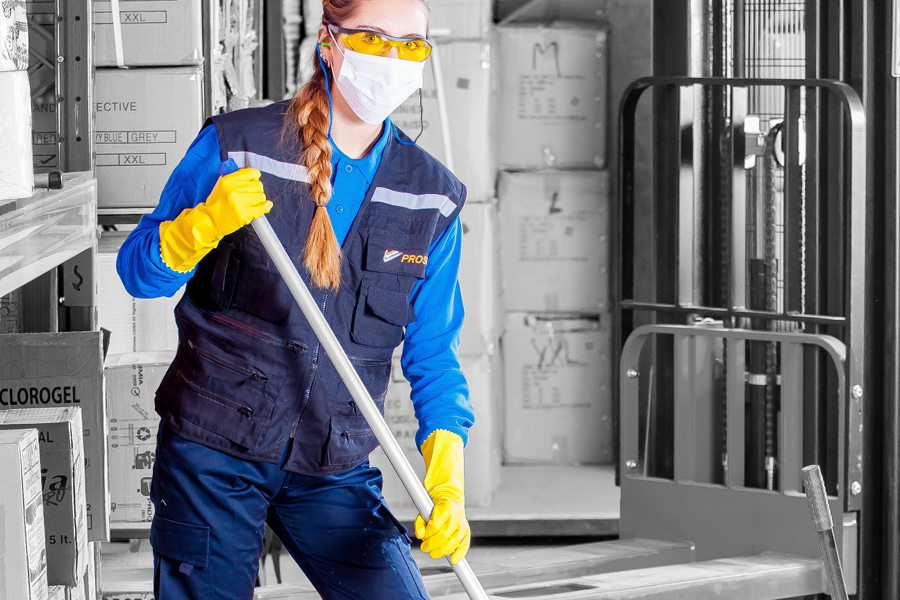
(440, 394)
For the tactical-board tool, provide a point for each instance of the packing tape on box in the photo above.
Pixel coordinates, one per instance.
(117, 33)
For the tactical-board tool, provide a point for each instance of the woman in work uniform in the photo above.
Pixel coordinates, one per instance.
(256, 425)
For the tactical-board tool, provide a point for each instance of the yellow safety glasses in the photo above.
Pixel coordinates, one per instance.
(379, 44)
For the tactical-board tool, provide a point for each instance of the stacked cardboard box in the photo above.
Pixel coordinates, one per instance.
(482, 455)
(22, 548)
(466, 67)
(132, 380)
(62, 476)
(47, 371)
(16, 175)
(146, 118)
(554, 229)
(135, 324)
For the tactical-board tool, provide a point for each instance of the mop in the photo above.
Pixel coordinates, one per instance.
(351, 379)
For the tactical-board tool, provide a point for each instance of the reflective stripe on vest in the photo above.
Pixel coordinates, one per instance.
(413, 201)
(271, 166)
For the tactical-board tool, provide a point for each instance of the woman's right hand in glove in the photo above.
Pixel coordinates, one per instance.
(236, 200)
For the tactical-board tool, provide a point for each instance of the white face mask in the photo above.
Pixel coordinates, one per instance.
(374, 86)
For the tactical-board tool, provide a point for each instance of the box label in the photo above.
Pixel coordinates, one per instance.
(147, 159)
(135, 137)
(143, 17)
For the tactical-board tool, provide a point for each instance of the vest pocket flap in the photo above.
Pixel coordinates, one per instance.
(393, 307)
(350, 440)
(183, 542)
(397, 253)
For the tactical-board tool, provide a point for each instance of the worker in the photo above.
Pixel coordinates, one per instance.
(256, 425)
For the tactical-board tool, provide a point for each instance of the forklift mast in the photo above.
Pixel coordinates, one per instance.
(746, 282)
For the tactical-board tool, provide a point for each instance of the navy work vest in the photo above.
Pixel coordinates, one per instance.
(249, 372)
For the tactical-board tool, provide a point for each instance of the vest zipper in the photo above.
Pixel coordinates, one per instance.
(244, 410)
(312, 375)
(269, 339)
(249, 373)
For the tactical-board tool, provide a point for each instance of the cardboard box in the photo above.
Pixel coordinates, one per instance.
(132, 380)
(62, 474)
(13, 36)
(466, 68)
(64, 369)
(558, 395)
(483, 450)
(479, 280)
(553, 95)
(16, 171)
(23, 556)
(44, 136)
(145, 121)
(154, 33)
(135, 324)
(554, 241)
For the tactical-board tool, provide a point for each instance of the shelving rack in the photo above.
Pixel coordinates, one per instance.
(48, 241)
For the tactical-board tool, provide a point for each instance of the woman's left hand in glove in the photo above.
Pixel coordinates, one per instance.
(448, 530)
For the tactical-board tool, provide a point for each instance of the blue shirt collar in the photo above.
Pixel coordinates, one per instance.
(367, 165)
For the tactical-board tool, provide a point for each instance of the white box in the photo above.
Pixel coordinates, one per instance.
(483, 450)
(57, 592)
(23, 557)
(554, 241)
(132, 380)
(16, 153)
(154, 33)
(461, 19)
(63, 369)
(135, 324)
(62, 470)
(466, 68)
(13, 36)
(145, 121)
(479, 271)
(553, 88)
(558, 395)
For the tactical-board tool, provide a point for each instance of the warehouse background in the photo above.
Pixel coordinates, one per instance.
(520, 101)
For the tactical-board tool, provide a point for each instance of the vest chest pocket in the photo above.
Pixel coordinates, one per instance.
(246, 279)
(380, 317)
(398, 253)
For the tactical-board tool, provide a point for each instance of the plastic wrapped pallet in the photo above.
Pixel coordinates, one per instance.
(554, 247)
(62, 470)
(482, 454)
(155, 33)
(553, 87)
(13, 36)
(131, 383)
(466, 68)
(16, 154)
(145, 120)
(558, 398)
(23, 556)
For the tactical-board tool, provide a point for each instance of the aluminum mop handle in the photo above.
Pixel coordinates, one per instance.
(332, 347)
(821, 514)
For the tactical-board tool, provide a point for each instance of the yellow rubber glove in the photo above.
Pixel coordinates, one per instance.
(448, 530)
(236, 199)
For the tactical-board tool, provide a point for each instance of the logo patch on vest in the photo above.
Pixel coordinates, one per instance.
(390, 255)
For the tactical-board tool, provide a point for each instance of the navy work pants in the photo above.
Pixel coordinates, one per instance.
(211, 508)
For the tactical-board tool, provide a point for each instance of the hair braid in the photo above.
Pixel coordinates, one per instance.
(310, 110)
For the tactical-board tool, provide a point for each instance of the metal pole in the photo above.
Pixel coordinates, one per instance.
(818, 506)
(332, 346)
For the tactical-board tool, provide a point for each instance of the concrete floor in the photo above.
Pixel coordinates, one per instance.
(534, 507)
